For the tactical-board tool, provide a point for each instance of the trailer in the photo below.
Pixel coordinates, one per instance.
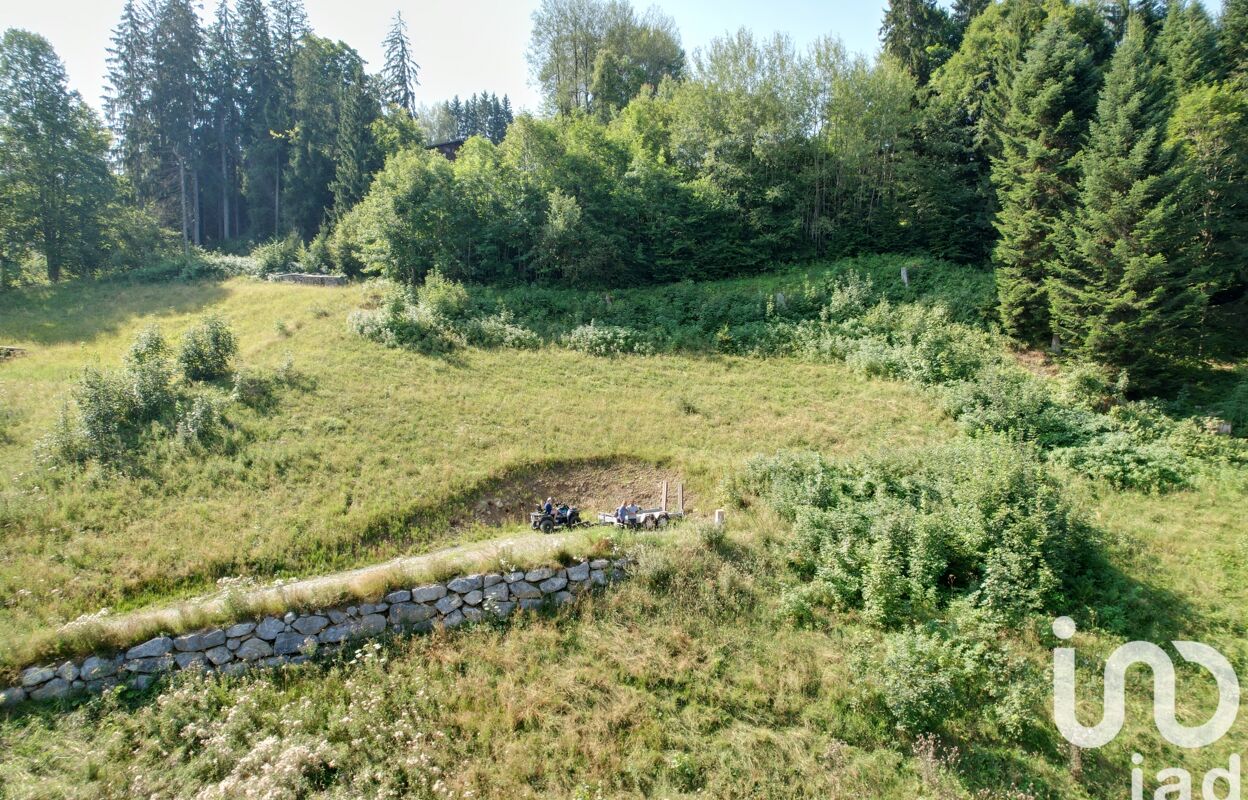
(649, 518)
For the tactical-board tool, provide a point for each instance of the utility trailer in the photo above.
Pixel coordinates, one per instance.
(649, 518)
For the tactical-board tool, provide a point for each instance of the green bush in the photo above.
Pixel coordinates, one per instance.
(901, 537)
(199, 422)
(277, 255)
(207, 350)
(1126, 462)
(607, 340)
(149, 374)
(1012, 401)
(1234, 409)
(501, 330)
(442, 299)
(317, 257)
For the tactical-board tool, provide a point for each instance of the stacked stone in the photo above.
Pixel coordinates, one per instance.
(294, 637)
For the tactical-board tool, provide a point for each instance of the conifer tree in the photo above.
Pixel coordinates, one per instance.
(177, 83)
(1233, 36)
(1188, 47)
(1036, 177)
(127, 106)
(918, 34)
(1123, 294)
(259, 118)
(399, 72)
(221, 87)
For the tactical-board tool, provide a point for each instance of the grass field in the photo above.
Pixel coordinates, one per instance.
(690, 680)
(373, 452)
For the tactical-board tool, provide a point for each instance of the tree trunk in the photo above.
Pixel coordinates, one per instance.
(197, 221)
(277, 196)
(182, 195)
(225, 184)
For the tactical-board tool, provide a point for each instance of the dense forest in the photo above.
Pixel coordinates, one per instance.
(1093, 154)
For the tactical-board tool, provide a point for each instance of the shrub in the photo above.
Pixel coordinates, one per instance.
(148, 374)
(1009, 400)
(1126, 462)
(441, 298)
(277, 255)
(8, 416)
(207, 350)
(501, 330)
(901, 537)
(607, 340)
(199, 422)
(316, 257)
(1234, 409)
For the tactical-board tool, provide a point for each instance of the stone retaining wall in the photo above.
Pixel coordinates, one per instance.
(297, 636)
(309, 278)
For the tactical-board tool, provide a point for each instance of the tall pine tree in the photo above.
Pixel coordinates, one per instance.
(1123, 294)
(399, 72)
(259, 118)
(1188, 47)
(1233, 36)
(221, 85)
(127, 105)
(1036, 177)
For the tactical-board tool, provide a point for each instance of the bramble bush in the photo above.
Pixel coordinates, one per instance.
(900, 537)
(607, 340)
(207, 350)
(277, 255)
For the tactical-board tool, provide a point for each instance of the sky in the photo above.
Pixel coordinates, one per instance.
(462, 47)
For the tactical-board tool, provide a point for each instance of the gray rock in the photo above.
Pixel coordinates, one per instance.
(240, 630)
(234, 668)
(562, 597)
(189, 660)
(401, 596)
(465, 583)
(68, 671)
(147, 666)
(429, 593)
(253, 649)
(453, 619)
(512, 577)
(152, 648)
(373, 608)
(189, 643)
(210, 639)
(33, 676)
(599, 563)
(352, 611)
(372, 625)
(95, 668)
(598, 577)
(410, 613)
(472, 614)
(78, 684)
(97, 686)
(219, 655)
(337, 617)
(578, 586)
(523, 590)
(502, 610)
(497, 592)
(269, 628)
(337, 633)
(474, 597)
(290, 643)
(233, 644)
(52, 690)
(579, 572)
(142, 682)
(538, 575)
(490, 579)
(289, 617)
(530, 604)
(310, 625)
(12, 696)
(449, 603)
(273, 661)
(553, 584)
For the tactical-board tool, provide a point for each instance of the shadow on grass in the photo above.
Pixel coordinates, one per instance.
(83, 310)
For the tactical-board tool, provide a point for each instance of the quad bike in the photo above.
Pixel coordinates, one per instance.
(561, 517)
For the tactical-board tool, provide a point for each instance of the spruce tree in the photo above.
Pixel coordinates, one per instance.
(127, 106)
(399, 72)
(221, 85)
(259, 116)
(1233, 36)
(1188, 47)
(1123, 294)
(918, 33)
(176, 91)
(1036, 177)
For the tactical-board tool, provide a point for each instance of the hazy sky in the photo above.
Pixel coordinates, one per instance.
(462, 47)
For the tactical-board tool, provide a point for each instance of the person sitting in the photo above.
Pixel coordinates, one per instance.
(549, 507)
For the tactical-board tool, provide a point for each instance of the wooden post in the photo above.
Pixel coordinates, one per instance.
(719, 518)
(905, 277)
(664, 495)
(680, 497)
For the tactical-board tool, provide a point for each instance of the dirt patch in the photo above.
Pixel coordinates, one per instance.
(592, 486)
(1038, 362)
